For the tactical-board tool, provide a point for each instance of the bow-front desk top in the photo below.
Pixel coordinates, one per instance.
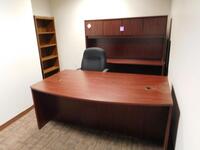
(122, 88)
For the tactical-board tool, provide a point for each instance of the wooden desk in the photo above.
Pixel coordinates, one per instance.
(138, 105)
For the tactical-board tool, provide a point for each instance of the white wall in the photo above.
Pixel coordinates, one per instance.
(20, 66)
(70, 16)
(184, 70)
(19, 63)
(41, 7)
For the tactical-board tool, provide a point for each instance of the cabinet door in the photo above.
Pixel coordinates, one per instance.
(132, 26)
(93, 27)
(112, 27)
(155, 26)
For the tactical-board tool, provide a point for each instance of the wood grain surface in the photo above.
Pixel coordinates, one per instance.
(108, 87)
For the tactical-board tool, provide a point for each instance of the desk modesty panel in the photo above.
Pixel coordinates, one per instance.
(137, 105)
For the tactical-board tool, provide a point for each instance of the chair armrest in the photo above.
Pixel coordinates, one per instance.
(105, 70)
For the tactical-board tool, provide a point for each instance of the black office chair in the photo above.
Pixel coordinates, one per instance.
(94, 59)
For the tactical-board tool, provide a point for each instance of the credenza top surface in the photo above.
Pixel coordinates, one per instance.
(108, 87)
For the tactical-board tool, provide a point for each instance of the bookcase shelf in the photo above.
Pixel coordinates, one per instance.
(41, 33)
(49, 57)
(47, 45)
(48, 70)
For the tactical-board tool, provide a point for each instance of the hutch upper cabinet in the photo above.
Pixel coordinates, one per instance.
(132, 26)
(137, 41)
(155, 26)
(94, 28)
(111, 27)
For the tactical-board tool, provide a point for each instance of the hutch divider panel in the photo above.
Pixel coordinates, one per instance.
(131, 41)
(47, 45)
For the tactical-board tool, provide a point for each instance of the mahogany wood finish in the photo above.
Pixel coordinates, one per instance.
(46, 38)
(130, 48)
(111, 27)
(155, 26)
(142, 38)
(135, 61)
(132, 26)
(95, 28)
(138, 105)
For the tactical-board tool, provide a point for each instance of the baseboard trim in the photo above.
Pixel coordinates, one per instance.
(15, 118)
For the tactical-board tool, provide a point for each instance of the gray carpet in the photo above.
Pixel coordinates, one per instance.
(24, 135)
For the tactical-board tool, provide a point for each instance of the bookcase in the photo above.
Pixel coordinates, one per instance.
(47, 45)
(138, 44)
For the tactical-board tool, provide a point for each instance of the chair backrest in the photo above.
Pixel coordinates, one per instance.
(94, 59)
